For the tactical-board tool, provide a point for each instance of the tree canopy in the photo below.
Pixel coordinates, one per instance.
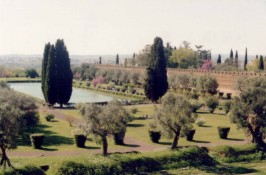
(249, 109)
(57, 82)
(174, 117)
(156, 83)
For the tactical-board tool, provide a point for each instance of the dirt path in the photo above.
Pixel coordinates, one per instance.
(131, 144)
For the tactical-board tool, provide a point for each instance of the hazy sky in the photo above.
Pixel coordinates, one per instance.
(126, 26)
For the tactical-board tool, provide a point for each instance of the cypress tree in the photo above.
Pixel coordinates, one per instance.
(219, 60)
(44, 68)
(51, 80)
(156, 84)
(63, 74)
(261, 63)
(246, 60)
(134, 59)
(236, 59)
(100, 60)
(231, 57)
(117, 60)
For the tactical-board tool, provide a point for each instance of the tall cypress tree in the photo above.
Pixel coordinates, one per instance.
(156, 84)
(117, 60)
(246, 59)
(236, 59)
(44, 68)
(261, 63)
(64, 73)
(219, 60)
(51, 78)
(100, 60)
(231, 57)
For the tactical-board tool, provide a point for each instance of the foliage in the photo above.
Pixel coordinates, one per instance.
(156, 83)
(246, 59)
(248, 110)
(227, 106)
(253, 65)
(195, 105)
(219, 60)
(98, 80)
(207, 65)
(208, 84)
(117, 60)
(200, 122)
(223, 132)
(134, 110)
(185, 57)
(85, 72)
(29, 169)
(49, 117)
(105, 120)
(135, 164)
(261, 63)
(211, 103)
(4, 85)
(190, 134)
(57, 83)
(119, 137)
(32, 73)
(174, 116)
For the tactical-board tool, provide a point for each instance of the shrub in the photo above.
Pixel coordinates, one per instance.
(211, 103)
(190, 134)
(155, 136)
(119, 137)
(80, 140)
(134, 110)
(31, 118)
(195, 105)
(227, 106)
(28, 169)
(36, 140)
(49, 117)
(200, 122)
(223, 132)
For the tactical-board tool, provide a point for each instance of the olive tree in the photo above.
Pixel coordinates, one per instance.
(174, 116)
(105, 120)
(15, 116)
(248, 110)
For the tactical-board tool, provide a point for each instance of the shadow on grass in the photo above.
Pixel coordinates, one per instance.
(131, 145)
(206, 126)
(135, 125)
(165, 143)
(90, 147)
(200, 141)
(223, 169)
(50, 138)
(233, 139)
(48, 149)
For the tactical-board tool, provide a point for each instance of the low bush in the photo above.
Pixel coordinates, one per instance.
(243, 153)
(49, 117)
(36, 140)
(223, 132)
(80, 140)
(195, 105)
(227, 106)
(155, 136)
(211, 102)
(200, 122)
(27, 170)
(138, 163)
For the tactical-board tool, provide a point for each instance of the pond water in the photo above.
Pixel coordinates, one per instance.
(78, 95)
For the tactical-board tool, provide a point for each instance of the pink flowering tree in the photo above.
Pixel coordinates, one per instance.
(207, 65)
(98, 80)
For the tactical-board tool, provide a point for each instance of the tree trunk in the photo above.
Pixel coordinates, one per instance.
(105, 145)
(176, 138)
(4, 159)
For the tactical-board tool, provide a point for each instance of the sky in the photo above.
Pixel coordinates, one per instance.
(98, 27)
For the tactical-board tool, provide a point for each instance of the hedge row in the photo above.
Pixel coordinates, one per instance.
(135, 164)
(27, 170)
